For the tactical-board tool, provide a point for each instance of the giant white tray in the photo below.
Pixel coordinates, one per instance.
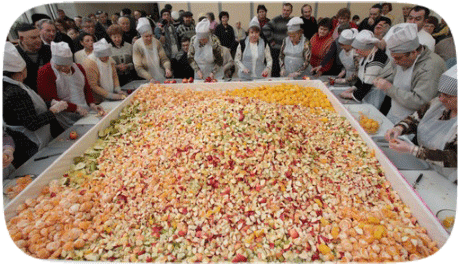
(418, 207)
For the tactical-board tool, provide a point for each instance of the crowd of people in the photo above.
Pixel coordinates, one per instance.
(59, 69)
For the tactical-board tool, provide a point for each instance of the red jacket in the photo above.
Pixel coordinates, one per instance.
(46, 86)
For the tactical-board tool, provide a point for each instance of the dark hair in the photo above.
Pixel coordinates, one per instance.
(83, 35)
(114, 29)
(222, 14)
(390, 6)
(62, 22)
(211, 15)
(168, 6)
(8, 73)
(344, 12)
(433, 20)
(184, 39)
(261, 7)
(126, 11)
(355, 17)
(164, 10)
(301, 9)
(288, 4)
(325, 22)
(379, 6)
(37, 17)
(420, 8)
(23, 27)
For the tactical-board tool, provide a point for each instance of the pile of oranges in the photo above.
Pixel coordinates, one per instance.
(287, 94)
(370, 125)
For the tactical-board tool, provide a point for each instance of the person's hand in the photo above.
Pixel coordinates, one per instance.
(370, 21)
(382, 84)
(293, 75)
(341, 74)
(282, 73)
(265, 73)
(100, 111)
(58, 106)
(162, 40)
(168, 73)
(393, 133)
(317, 70)
(81, 111)
(348, 94)
(340, 80)
(246, 71)
(199, 73)
(401, 146)
(211, 75)
(116, 96)
(8, 152)
(122, 67)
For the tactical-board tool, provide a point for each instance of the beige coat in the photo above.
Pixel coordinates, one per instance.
(93, 76)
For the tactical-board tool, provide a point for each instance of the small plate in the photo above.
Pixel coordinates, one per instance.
(447, 218)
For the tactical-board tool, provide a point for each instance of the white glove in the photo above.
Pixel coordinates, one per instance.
(58, 106)
(401, 146)
(82, 111)
(7, 156)
(115, 96)
(393, 133)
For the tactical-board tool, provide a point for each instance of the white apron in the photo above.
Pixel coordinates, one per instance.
(402, 80)
(253, 59)
(153, 62)
(293, 56)
(347, 61)
(70, 88)
(433, 133)
(204, 58)
(375, 96)
(41, 136)
(105, 73)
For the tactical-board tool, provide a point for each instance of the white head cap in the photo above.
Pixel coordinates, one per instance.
(61, 53)
(365, 40)
(175, 15)
(254, 23)
(102, 48)
(202, 29)
(294, 24)
(448, 81)
(402, 38)
(347, 36)
(12, 60)
(143, 26)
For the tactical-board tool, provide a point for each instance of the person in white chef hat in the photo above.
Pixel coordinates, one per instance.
(102, 73)
(253, 57)
(415, 75)
(149, 57)
(347, 55)
(26, 116)
(373, 63)
(205, 52)
(435, 125)
(295, 50)
(63, 80)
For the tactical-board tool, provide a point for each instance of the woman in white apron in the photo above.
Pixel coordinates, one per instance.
(347, 55)
(374, 63)
(205, 53)
(295, 51)
(435, 125)
(253, 57)
(149, 58)
(25, 113)
(102, 74)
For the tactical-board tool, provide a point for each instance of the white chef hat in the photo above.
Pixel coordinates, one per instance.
(402, 38)
(365, 40)
(347, 36)
(175, 15)
(294, 24)
(61, 53)
(102, 48)
(143, 26)
(12, 60)
(202, 29)
(254, 23)
(448, 81)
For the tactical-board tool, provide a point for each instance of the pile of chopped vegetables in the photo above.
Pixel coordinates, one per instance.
(217, 176)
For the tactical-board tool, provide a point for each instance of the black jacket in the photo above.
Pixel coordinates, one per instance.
(44, 56)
